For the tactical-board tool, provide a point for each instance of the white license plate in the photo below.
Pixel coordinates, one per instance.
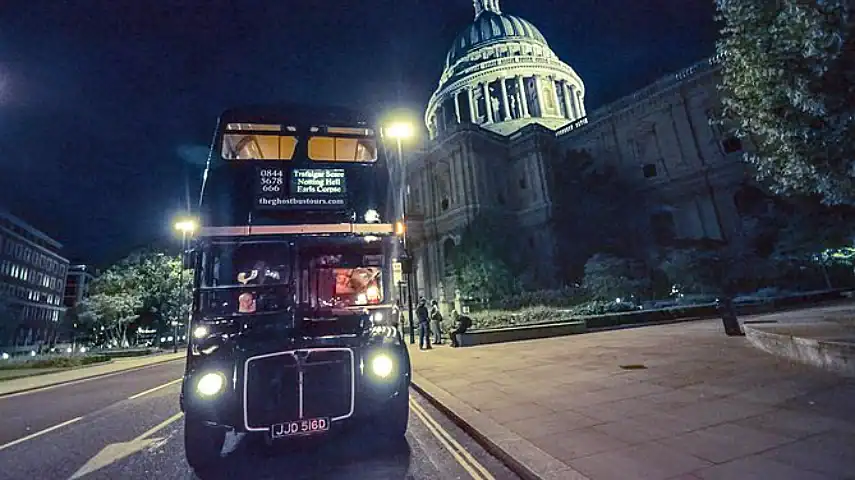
(308, 426)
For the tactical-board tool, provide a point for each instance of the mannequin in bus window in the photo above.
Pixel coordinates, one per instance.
(242, 147)
(246, 300)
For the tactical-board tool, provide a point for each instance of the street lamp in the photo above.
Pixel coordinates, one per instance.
(400, 131)
(187, 227)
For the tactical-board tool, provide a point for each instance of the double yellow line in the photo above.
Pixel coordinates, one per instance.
(464, 458)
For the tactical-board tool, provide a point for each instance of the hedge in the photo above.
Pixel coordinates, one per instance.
(54, 362)
(600, 314)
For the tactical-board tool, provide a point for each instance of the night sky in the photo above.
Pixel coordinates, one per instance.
(107, 107)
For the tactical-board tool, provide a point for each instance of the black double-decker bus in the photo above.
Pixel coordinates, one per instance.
(294, 325)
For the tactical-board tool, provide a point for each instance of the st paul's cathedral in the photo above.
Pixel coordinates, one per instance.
(506, 106)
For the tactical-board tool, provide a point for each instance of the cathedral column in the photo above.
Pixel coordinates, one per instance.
(457, 106)
(472, 117)
(486, 89)
(553, 82)
(564, 94)
(505, 102)
(574, 102)
(539, 89)
(523, 96)
(581, 104)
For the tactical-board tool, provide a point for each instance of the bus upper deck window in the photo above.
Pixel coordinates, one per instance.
(336, 149)
(238, 146)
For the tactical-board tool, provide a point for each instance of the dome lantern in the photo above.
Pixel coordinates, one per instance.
(482, 6)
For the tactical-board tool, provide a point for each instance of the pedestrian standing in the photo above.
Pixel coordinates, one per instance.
(424, 325)
(436, 322)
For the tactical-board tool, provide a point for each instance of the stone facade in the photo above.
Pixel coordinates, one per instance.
(659, 136)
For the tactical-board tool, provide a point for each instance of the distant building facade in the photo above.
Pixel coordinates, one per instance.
(77, 283)
(506, 109)
(32, 284)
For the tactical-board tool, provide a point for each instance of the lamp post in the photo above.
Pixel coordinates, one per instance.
(401, 131)
(186, 227)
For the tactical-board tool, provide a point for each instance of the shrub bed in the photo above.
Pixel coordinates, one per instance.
(525, 316)
(126, 353)
(53, 362)
(563, 297)
(602, 314)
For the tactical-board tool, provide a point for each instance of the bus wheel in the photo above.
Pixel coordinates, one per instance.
(203, 444)
(393, 421)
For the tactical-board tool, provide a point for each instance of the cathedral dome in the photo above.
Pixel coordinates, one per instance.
(491, 27)
(501, 74)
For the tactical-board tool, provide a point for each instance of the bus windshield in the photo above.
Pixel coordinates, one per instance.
(258, 277)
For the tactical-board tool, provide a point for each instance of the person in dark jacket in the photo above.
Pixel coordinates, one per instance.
(460, 324)
(424, 325)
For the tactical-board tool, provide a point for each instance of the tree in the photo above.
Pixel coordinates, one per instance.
(111, 315)
(718, 269)
(788, 84)
(815, 236)
(593, 212)
(485, 260)
(164, 297)
(145, 284)
(608, 277)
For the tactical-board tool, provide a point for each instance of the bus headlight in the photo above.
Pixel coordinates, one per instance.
(377, 317)
(382, 365)
(200, 332)
(210, 384)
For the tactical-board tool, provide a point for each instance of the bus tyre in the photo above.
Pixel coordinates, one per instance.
(203, 444)
(393, 421)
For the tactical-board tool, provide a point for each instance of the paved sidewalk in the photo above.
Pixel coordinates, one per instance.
(118, 365)
(704, 406)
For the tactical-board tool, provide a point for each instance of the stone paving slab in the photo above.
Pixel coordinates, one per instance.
(705, 405)
(19, 385)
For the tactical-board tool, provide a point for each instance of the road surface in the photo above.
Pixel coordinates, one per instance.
(129, 426)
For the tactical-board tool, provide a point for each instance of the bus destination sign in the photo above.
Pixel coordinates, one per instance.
(303, 188)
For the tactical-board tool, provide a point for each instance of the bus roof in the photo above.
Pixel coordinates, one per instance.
(297, 114)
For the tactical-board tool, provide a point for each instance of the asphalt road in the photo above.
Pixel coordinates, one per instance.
(129, 426)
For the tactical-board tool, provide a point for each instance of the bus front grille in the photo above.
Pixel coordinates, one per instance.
(298, 384)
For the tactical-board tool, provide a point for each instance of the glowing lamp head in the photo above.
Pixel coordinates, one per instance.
(210, 384)
(400, 130)
(187, 226)
(382, 365)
